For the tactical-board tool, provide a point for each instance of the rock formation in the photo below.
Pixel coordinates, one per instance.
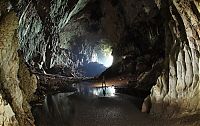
(178, 89)
(15, 92)
(53, 35)
(157, 41)
(78, 32)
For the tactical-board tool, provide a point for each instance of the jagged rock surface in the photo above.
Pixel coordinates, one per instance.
(178, 88)
(50, 40)
(70, 38)
(155, 41)
(14, 96)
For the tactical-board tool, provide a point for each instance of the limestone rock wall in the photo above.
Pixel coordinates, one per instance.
(14, 92)
(178, 88)
(7, 116)
(43, 34)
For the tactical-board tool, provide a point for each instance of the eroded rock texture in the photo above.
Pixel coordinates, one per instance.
(52, 38)
(178, 86)
(156, 41)
(14, 92)
(138, 40)
(74, 36)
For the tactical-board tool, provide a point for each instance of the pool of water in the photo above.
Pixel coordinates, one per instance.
(58, 109)
(87, 89)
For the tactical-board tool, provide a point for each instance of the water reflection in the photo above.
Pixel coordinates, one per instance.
(58, 110)
(86, 89)
(110, 91)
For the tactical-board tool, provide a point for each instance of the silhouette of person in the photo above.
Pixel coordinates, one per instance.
(104, 92)
(104, 86)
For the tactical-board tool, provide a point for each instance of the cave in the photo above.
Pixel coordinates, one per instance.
(99, 62)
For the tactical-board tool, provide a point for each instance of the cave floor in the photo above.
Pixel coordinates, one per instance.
(119, 110)
(83, 108)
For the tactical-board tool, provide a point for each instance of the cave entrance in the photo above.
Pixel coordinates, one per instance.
(99, 59)
(103, 55)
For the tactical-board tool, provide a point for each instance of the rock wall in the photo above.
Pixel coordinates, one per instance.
(178, 88)
(45, 38)
(136, 29)
(70, 38)
(14, 91)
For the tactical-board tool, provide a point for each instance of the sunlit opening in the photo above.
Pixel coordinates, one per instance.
(102, 53)
(109, 60)
(106, 59)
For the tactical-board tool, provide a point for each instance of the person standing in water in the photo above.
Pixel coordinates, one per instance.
(104, 86)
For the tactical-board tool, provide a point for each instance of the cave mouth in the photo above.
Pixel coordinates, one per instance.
(106, 60)
(100, 59)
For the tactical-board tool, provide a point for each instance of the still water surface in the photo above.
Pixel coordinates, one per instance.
(89, 107)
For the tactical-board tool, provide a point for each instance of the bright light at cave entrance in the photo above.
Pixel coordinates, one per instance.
(109, 60)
